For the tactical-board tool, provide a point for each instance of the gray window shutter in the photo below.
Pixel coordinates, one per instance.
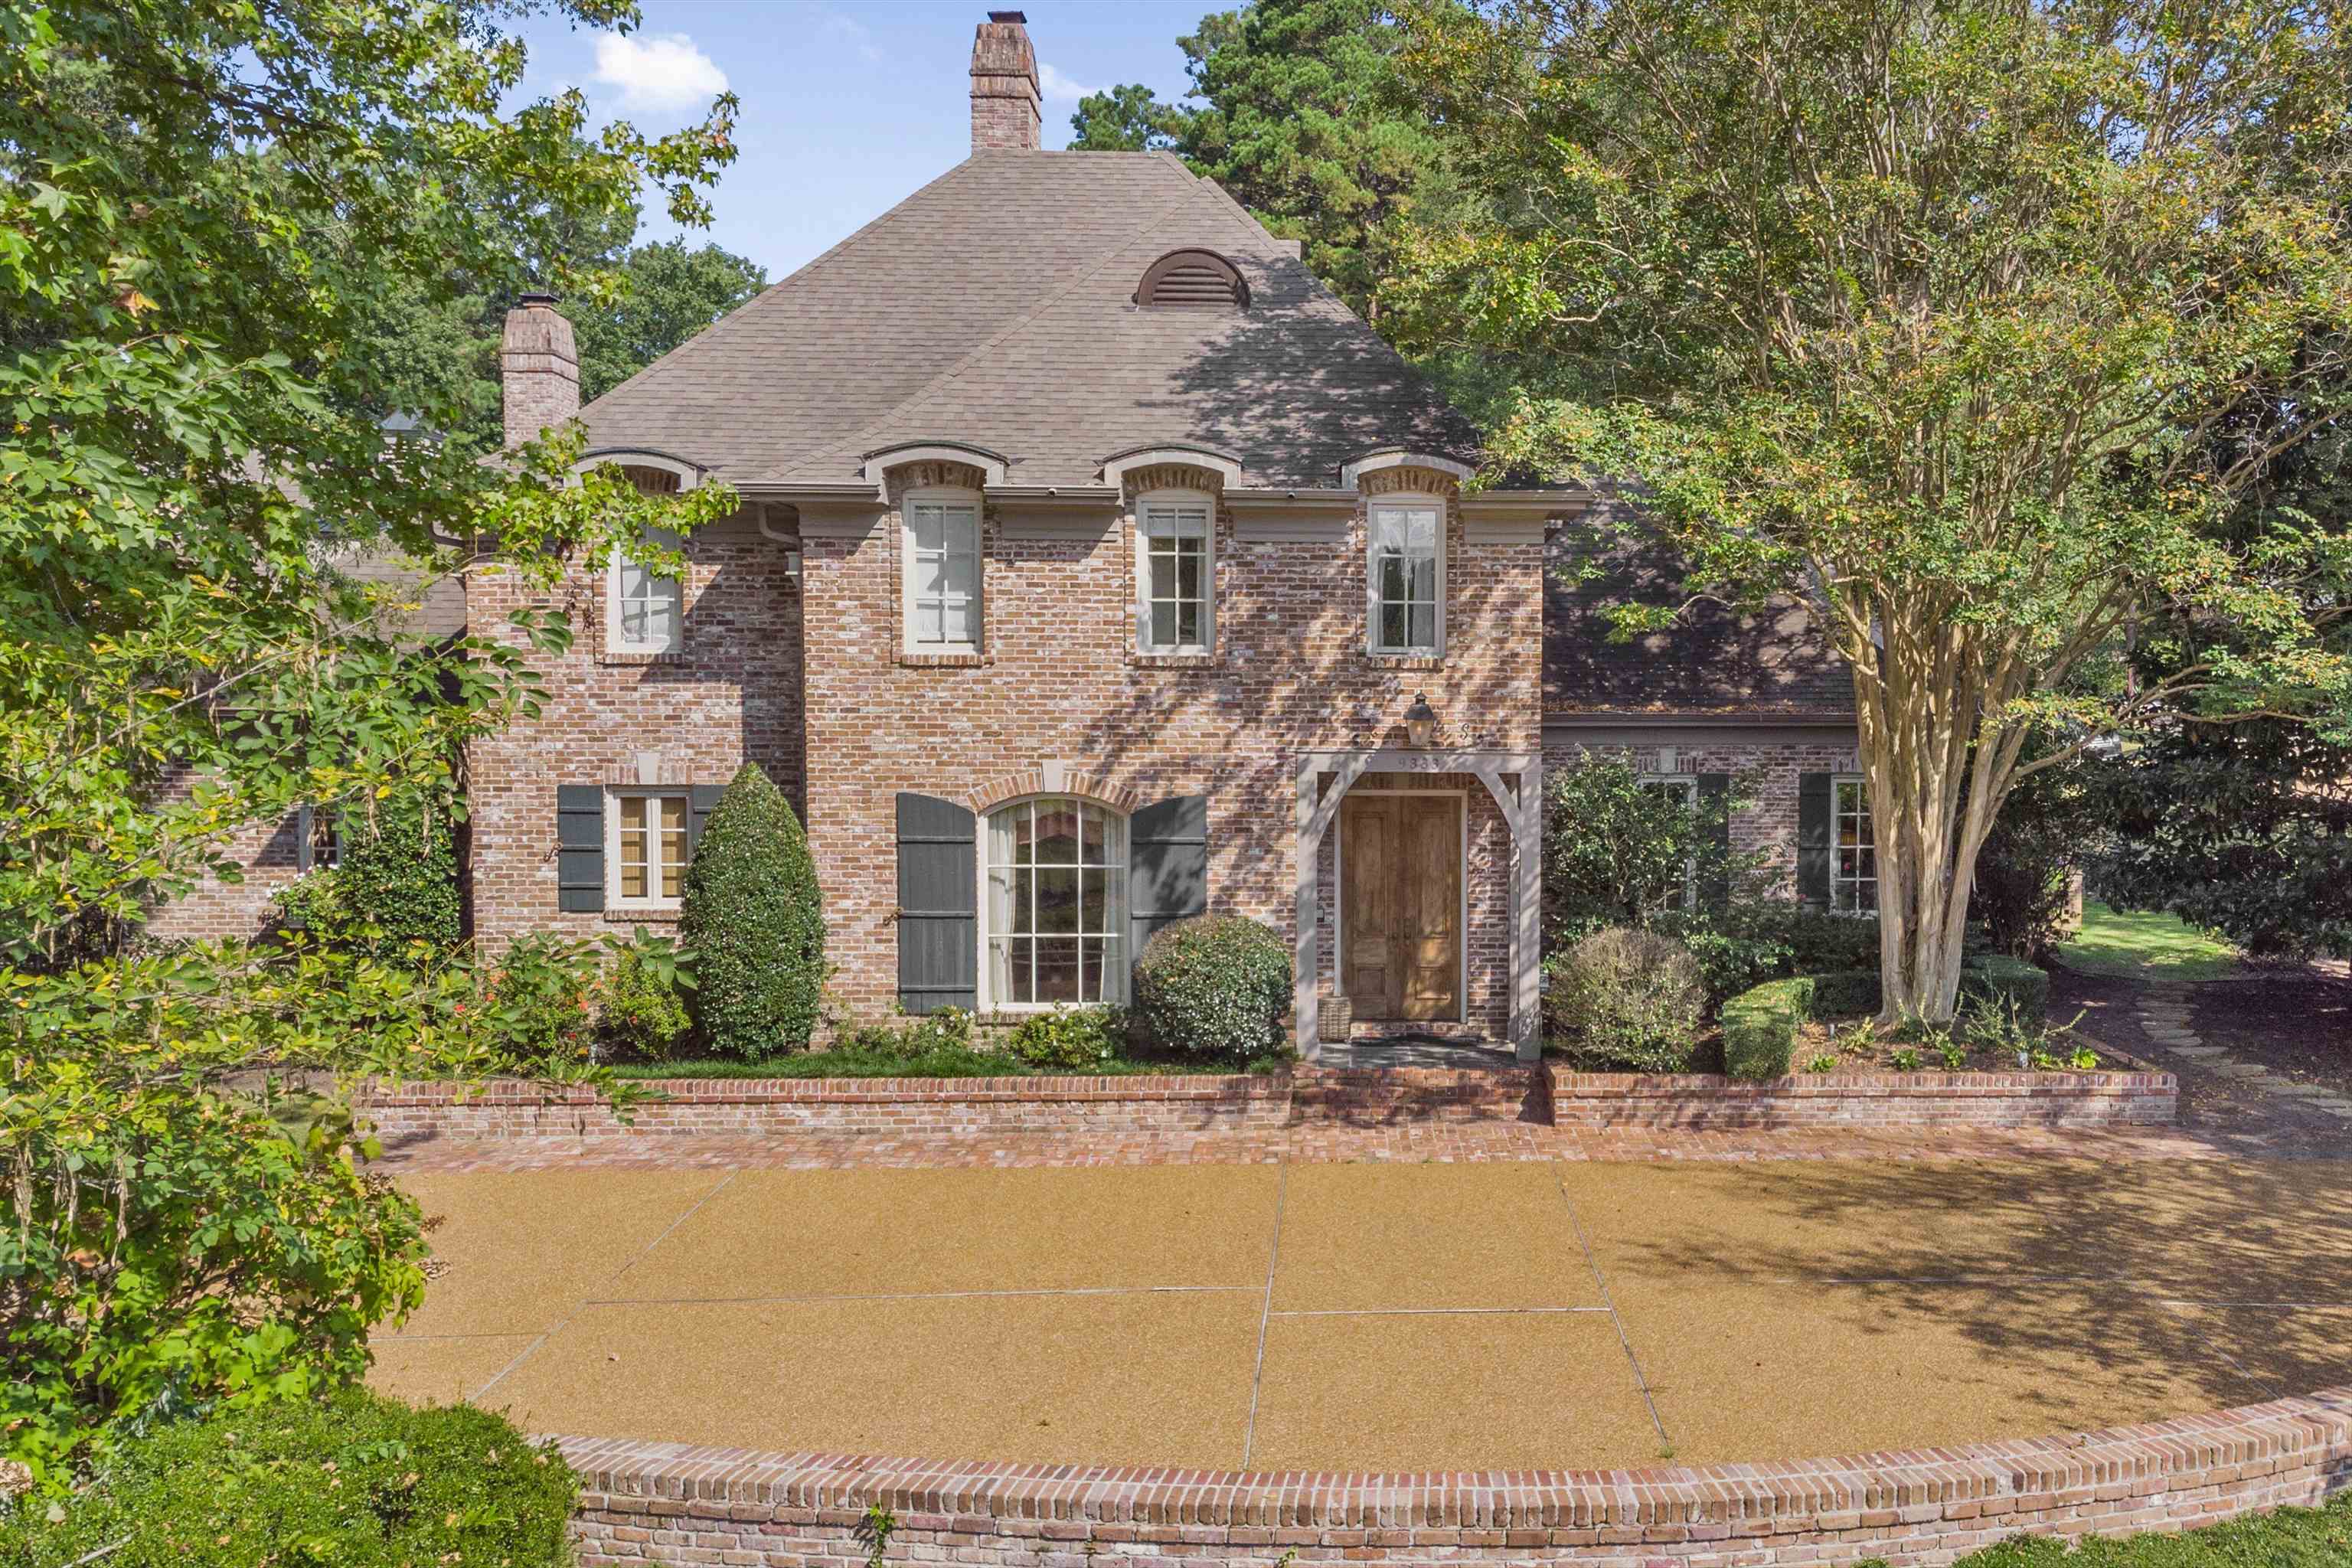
(702, 800)
(939, 905)
(1167, 867)
(579, 848)
(1814, 852)
(1715, 882)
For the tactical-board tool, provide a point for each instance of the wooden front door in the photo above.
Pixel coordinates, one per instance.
(1400, 906)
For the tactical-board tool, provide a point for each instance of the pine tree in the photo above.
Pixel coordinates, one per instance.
(754, 921)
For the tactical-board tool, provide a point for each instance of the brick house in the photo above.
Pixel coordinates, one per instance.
(1095, 567)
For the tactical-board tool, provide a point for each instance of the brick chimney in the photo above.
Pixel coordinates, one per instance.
(1004, 112)
(539, 369)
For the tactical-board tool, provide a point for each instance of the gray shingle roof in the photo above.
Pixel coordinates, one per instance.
(993, 307)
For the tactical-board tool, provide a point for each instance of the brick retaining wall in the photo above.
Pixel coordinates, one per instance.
(647, 1503)
(1609, 1099)
(753, 1106)
(1212, 1102)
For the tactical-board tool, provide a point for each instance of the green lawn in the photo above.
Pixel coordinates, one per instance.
(2291, 1538)
(2145, 946)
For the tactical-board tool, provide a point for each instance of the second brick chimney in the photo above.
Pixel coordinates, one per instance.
(1004, 112)
(539, 369)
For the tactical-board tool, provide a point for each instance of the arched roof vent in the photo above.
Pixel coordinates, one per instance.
(1197, 280)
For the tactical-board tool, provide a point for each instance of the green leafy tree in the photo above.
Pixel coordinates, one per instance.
(1126, 119)
(754, 920)
(1926, 313)
(202, 209)
(1304, 119)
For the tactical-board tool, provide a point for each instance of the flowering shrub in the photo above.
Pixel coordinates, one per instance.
(1215, 985)
(1068, 1040)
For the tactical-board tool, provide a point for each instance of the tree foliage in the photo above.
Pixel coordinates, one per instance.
(1929, 314)
(754, 919)
(1303, 120)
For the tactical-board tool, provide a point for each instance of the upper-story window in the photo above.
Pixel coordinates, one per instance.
(940, 552)
(643, 613)
(1853, 877)
(1407, 563)
(1175, 573)
(318, 837)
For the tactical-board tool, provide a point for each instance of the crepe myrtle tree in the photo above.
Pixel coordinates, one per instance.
(1939, 316)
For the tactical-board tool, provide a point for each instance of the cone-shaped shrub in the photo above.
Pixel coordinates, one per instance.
(754, 923)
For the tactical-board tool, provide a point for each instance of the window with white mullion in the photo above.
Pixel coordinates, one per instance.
(1056, 913)
(648, 850)
(1854, 875)
(645, 612)
(1177, 611)
(1682, 789)
(1408, 577)
(943, 576)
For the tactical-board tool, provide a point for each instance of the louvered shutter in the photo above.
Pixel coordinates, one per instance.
(1815, 854)
(579, 848)
(939, 905)
(1167, 867)
(702, 800)
(1715, 883)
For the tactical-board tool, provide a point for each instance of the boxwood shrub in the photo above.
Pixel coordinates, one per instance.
(753, 919)
(1759, 1028)
(355, 1480)
(1215, 985)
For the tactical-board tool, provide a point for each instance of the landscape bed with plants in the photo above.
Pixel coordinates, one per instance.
(1670, 953)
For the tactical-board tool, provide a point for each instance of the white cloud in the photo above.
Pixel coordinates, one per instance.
(854, 33)
(658, 73)
(1059, 88)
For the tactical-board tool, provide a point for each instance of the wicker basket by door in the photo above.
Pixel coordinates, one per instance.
(1335, 1020)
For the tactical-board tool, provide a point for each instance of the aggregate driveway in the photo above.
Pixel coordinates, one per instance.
(1379, 1317)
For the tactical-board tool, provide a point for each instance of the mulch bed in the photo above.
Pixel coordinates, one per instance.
(2297, 1024)
(1858, 1049)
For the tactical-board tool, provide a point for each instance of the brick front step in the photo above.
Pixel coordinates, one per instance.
(1387, 1096)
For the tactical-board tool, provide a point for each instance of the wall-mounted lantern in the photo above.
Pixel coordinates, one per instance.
(1420, 723)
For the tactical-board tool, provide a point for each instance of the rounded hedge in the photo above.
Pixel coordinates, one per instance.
(356, 1480)
(1628, 1001)
(1215, 985)
(755, 923)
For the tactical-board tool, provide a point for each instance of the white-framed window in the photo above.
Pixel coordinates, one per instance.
(318, 838)
(1175, 573)
(1854, 875)
(1054, 923)
(642, 613)
(1682, 789)
(1406, 560)
(940, 571)
(644, 849)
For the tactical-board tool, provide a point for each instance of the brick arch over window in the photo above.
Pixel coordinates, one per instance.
(1049, 779)
(1408, 479)
(1138, 482)
(934, 474)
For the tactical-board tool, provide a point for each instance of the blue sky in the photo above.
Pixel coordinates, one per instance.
(847, 107)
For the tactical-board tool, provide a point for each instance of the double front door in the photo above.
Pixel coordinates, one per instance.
(1400, 906)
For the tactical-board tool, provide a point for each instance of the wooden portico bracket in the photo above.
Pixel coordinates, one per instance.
(1515, 780)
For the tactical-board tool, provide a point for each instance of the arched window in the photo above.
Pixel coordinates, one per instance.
(1054, 927)
(940, 588)
(1175, 572)
(642, 613)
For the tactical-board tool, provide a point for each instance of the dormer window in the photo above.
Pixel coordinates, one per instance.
(642, 613)
(1195, 279)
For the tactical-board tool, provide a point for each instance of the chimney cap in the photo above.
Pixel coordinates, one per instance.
(1020, 16)
(537, 296)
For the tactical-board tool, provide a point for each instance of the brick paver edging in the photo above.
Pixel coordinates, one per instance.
(671, 1503)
